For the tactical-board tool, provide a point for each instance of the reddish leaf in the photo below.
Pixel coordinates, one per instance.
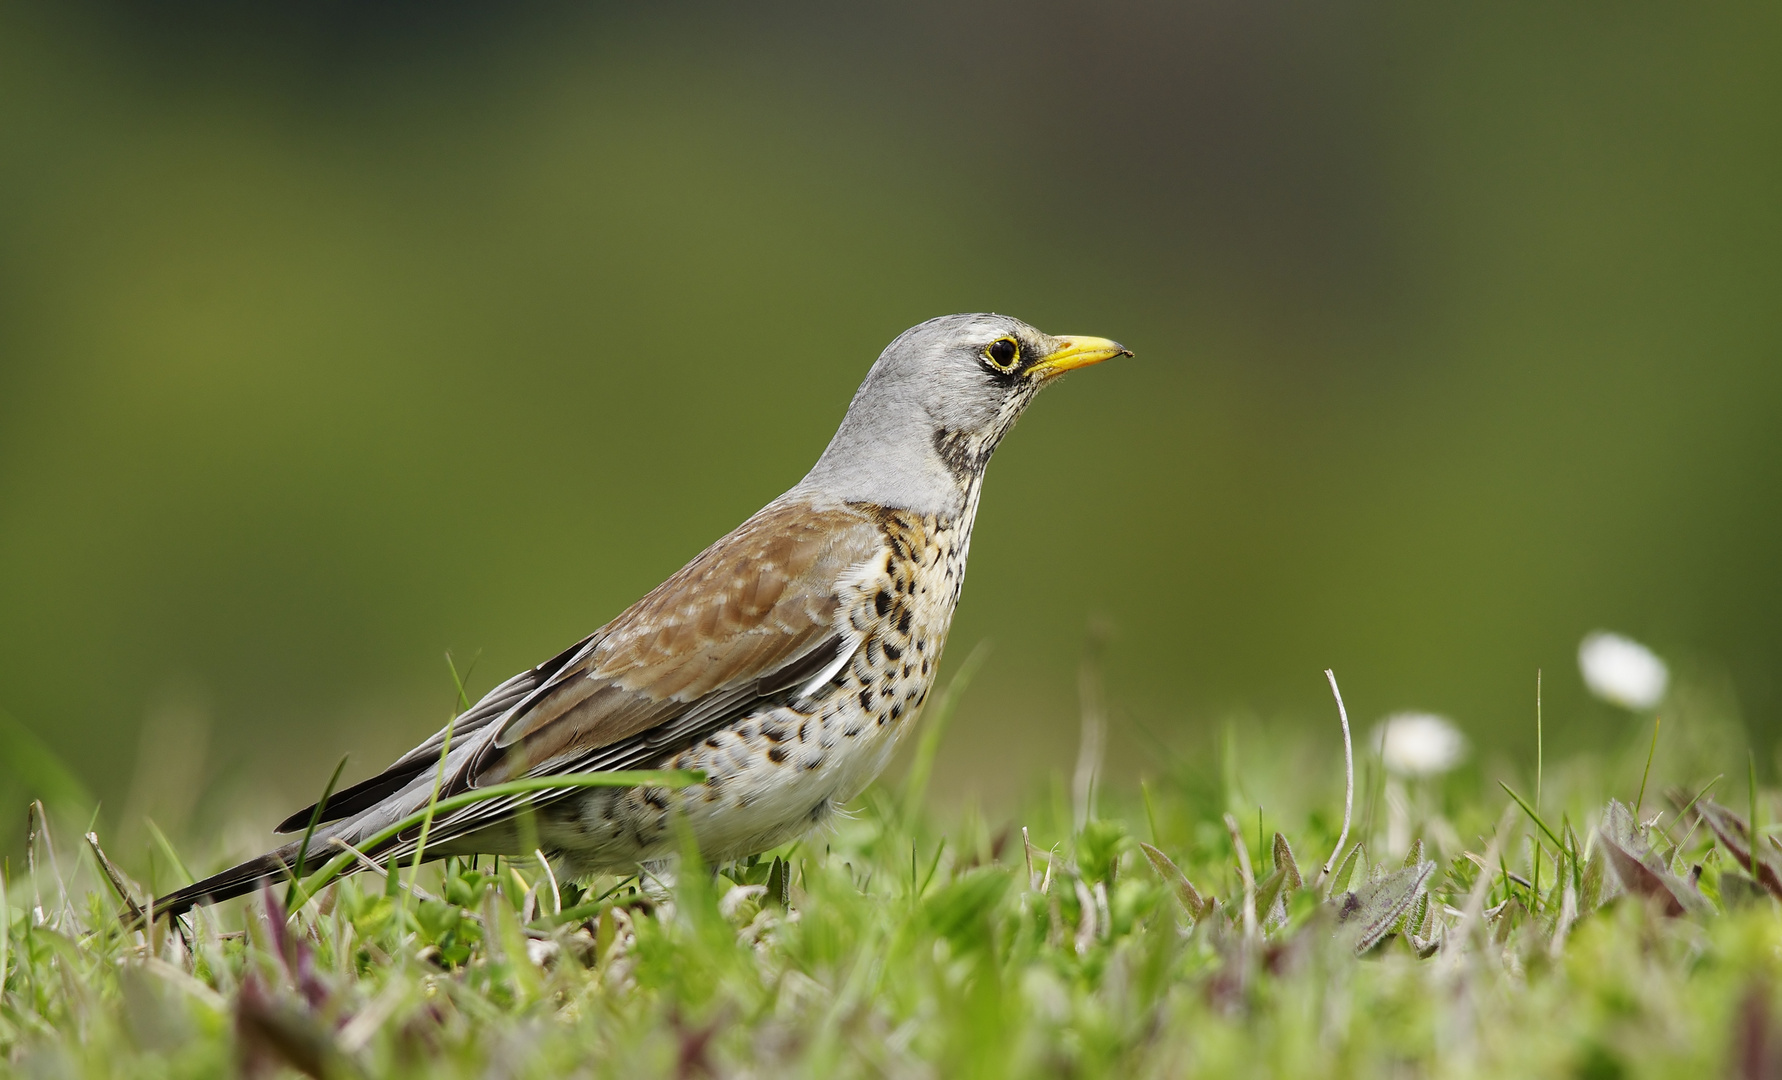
(1735, 834)
(1638, 876)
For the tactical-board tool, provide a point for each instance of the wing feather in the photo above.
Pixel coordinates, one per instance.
(760, 601)
(752, 619)
(490, 707)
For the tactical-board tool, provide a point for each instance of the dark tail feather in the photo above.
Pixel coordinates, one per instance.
(235, 881)
(361, 796)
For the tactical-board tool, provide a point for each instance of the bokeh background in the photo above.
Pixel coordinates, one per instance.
(337, 335)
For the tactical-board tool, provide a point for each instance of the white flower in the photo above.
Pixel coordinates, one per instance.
(1621, 670)
(1418, 744)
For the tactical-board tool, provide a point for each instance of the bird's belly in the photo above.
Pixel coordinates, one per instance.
(769, 779)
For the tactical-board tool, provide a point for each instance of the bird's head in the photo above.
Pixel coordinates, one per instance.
(925, 421)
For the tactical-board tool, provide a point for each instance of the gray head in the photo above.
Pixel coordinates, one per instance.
(923, 425)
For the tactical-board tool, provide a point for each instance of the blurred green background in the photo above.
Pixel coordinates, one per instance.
(337, 335)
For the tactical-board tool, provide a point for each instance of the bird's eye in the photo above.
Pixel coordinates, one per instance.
(1003, 354)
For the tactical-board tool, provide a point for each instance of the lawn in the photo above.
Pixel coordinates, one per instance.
(1584, 920)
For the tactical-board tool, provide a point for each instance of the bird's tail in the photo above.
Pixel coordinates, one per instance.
(238, 880)
(325, 843)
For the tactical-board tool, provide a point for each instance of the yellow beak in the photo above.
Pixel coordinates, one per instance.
(1076, 351)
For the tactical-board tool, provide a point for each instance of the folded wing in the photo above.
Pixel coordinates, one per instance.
(748, 623)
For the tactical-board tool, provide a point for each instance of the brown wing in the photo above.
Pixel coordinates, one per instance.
(749, 616)
(748, 622)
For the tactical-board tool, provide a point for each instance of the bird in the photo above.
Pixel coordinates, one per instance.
(782, 663)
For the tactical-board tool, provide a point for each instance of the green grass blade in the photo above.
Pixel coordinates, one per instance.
(168, 850)
(445, 751)
(1541, 743)
(1535, 817)
(928, 879)
(1150, 810)
(315, 818)
(5, 932)
(458, 681)
(1751, 759)
(915, 784)
(1698, 798)
(1640, 800)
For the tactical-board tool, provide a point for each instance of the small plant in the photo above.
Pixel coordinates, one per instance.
(1567, 937)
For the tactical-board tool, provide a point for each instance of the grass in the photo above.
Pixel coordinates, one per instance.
(1561, 937)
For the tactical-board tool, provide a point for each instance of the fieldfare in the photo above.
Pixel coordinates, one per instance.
(783, 662)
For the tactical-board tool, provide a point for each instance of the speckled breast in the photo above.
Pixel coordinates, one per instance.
(779, 772)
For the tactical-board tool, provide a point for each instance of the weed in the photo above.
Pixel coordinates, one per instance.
(897, 946)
